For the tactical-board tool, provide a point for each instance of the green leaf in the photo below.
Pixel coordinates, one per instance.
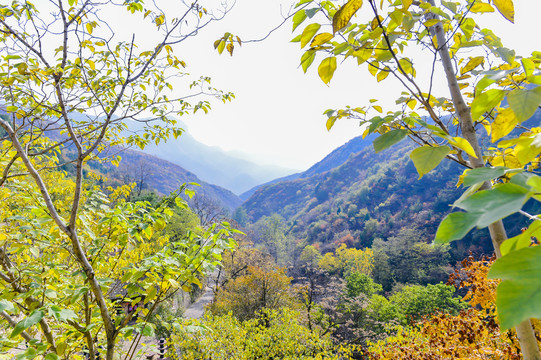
(62, 315)
(485, 102)
(344, 14)
(495, 204)
(308, 33)
(326, 69)
(27, 322)
(388, 139)
(522, 240)
(147, 330)
(454, 227)
(519, 295)
(427, 158)
(6, 306)
(51, 356)
(307, 59)
(524, 102)
(480, 175)
(298, 18)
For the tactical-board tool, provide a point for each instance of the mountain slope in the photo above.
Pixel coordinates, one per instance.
(334, 159)
(162, 176)
(367, 197)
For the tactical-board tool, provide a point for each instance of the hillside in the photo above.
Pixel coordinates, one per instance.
(334, 159)
(369, 196)
(161, 175)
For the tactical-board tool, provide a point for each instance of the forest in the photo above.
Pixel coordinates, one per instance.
(416, 240)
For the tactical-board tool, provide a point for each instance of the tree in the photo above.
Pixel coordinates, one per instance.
(499, 176)
(68, 81)
(284, 337)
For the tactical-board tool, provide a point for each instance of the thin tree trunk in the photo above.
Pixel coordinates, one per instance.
(525, 333)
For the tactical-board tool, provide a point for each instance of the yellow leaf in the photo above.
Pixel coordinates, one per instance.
(378, 108)
(506, 8)
(481, 8)
(326, 69)
(463, 144)
(230, 48)
(505, 122)
(431, 22)
(382, 75)
(411, 103)
(362, 55)
(373, 68)
(375, 23)
(472, 64)
(308, 33)
(91, 64)
(321, 39)
(344, 14)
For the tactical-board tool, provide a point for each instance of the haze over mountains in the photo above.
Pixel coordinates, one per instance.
(215, 166)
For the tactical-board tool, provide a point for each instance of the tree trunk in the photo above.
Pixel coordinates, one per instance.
(525, 333)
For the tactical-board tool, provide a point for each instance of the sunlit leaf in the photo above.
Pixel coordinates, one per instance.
(307, 59)
(320, 39)
(480, 7)
(524, 102)
(326, 69)
(298, 18)
(472, 64)
(342, 17)
(454, 227)
(486, 101)
(504, 123)
(426, 158)
(506, 8)
(308, 33)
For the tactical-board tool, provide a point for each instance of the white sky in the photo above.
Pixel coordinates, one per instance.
(277, 116)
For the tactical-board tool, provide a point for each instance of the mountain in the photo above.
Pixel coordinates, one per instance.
(213, 165)
(153, 173)
(367, 197)
(336, 158)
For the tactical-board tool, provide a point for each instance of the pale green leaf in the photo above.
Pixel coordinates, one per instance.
(298, 18)
(483, 174)
(307, 59)
(426, 158)
(27, 322)
(524, 102)
(485, 102)
(519, 294)
(454, 227)
(495, 204)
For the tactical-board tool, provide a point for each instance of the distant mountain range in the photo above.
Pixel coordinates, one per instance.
(215, 166)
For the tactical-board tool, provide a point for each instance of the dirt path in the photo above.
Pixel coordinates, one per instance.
(197, 309)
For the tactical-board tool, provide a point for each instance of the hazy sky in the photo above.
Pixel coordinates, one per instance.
(277, 117)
